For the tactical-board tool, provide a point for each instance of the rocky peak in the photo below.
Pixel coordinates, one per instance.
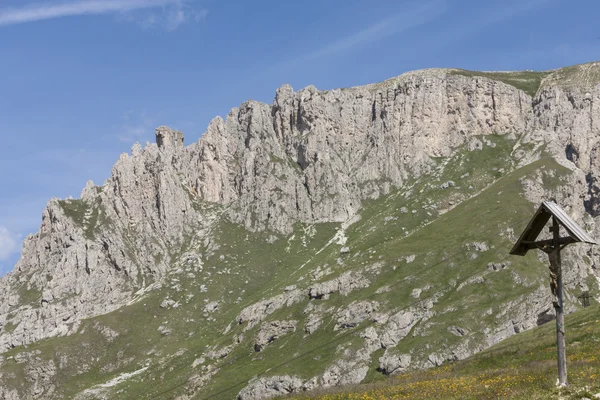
(169, 138)
(310, 157)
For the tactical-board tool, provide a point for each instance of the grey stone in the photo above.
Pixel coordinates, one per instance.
(257, 312)
(392, 362)
(164, 330)
(397, 327)
(345, 372)
(478, 246)
(498, 266)
(355, 313)
(335, 149)
(211, 307)
(344, 284)
(313, 323)
(167, 137)
(458, 331)
(271, 331)
(266, 388)
(435, 359)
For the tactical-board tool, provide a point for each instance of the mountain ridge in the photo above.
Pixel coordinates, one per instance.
(310, 159)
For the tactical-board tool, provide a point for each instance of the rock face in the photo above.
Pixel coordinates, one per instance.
(355, 313)
(392, 362)
(314, 156)
(170, 138)
(265, 388)
(397, 327)
(344, 284)
(93, 253)
(271, 331)
(257, 312)
(310, 157)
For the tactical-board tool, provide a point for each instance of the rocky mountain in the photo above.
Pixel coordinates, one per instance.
(318, 241)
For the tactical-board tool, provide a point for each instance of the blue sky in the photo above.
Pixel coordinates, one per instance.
(82, 80)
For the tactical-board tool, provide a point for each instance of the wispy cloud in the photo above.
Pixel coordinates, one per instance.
(23, 213)
(549, 55)
(506, 11)
(9, 250)
(421, 13)
(171, 17)
(172, 13)
(9, 243)
(135, 127)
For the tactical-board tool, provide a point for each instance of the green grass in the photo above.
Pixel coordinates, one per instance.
(91, 217)
(369, 243)
(74, 209)
(266, 267)
(240, 268)
(521, 367)
(581, 76)
(8, 328)
(28, 295)
(527, 81)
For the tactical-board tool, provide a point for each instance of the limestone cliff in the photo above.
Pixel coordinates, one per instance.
(310, 157)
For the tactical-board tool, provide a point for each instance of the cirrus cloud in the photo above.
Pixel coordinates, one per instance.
(171, 14)
(9, 243)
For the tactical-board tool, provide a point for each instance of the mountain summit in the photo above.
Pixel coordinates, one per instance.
(318, 241)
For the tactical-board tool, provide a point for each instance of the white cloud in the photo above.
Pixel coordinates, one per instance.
(505, 11)
(135, 127)
(400, 22)
(173, 12)
(9, 244)
(171, 17)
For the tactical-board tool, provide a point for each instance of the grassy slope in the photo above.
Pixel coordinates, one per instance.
(521, 367)
(581, 76)
(388, 232)
(527, 81)
(375, 240)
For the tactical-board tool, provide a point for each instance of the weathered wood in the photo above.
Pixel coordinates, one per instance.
(547, 245)
(547, 210)
(557, 289)
(527, 241)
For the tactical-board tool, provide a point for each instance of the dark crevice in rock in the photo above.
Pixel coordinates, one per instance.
(571, 153)
(374, 111)
(571, 100)
(301, 158)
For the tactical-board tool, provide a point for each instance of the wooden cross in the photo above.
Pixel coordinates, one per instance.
(585, 299)
(552, 247)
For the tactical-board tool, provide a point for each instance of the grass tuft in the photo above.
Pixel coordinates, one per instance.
(527, 81)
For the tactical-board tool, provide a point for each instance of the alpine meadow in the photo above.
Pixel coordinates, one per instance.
(331, 238)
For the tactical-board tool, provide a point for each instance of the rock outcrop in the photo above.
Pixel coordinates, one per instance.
(310, 157)
(271, 331)
(392, 363)
(344, 284)
(265, 388)
(257, 312)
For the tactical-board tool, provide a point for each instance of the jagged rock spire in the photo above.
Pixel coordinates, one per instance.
(168, 138)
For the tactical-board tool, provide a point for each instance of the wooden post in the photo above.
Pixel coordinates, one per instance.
(528, 241)
(557, 290)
